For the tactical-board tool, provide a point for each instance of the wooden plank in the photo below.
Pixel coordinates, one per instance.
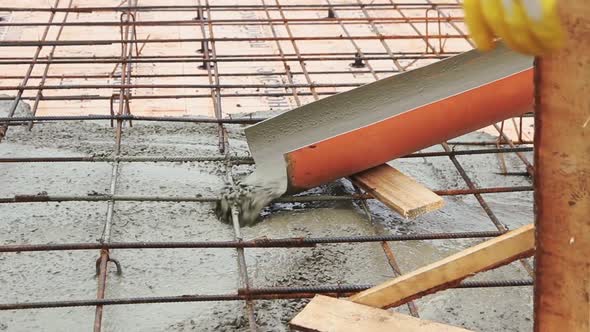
(451, 270)
(327, 314)
(562, 178)
(398, 191)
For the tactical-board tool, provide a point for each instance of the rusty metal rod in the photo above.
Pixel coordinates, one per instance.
(230, 95)
(203, 199)
(294, 21)
(236, 159)
(131, 117)
(357, 288)
(315, 7)
(24, 43)
(484, 143)
(256, 243)
(270, 243)
(126, 72)
(198, 59)
(467, 152)
(341, 290)
(184, 74)
(223, 56)
(175, 96)
(477, 191)
(178, 86)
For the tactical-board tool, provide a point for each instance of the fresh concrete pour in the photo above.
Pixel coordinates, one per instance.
(63, 275)
(270, 141)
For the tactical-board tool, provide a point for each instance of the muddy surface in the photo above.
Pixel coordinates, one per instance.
(39, 276)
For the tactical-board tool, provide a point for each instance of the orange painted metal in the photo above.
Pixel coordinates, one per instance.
(375, 144)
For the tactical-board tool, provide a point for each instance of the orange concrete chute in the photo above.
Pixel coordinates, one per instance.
(362, 128)
(418, 128)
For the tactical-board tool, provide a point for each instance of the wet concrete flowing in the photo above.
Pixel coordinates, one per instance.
(249, 196)
(47, 276)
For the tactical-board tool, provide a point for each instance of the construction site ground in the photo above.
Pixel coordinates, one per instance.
(40, 276)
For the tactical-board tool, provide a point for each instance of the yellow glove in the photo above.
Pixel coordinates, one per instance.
(527, 26)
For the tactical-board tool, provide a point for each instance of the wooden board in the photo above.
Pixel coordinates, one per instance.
(451, 270)
(398, 191)
(327, 314)
(562, 178)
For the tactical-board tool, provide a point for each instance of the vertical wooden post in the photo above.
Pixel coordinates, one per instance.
(562, 178)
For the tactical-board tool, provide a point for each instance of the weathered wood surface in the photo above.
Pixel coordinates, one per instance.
(398, 191)
(327, 314)
(562, 178)
(451, 270)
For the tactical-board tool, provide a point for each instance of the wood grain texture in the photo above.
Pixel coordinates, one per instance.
(398, 191)
(327, 314)
(562, 178)
(451, 270)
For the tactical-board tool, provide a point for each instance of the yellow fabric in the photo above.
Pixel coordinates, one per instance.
(527, 26)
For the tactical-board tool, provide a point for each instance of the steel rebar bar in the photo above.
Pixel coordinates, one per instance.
(252, 293)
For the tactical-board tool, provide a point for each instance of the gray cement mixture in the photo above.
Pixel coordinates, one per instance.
(70, 275)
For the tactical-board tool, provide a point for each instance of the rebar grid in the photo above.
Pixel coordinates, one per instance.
(275, 16)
